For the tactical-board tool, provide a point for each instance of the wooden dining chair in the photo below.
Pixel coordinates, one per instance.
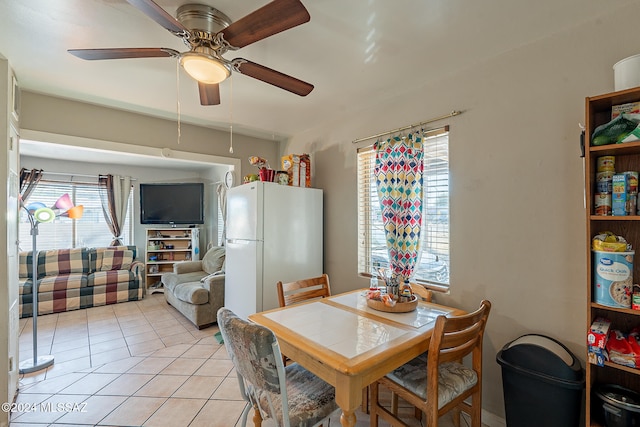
(422, 292)
(425, 295)
(291, 396)
(303, 290)
(437, 382)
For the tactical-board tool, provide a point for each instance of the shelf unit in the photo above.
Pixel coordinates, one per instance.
(598, 112)
(165, 247)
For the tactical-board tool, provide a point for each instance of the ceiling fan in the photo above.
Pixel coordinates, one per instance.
(209, 34)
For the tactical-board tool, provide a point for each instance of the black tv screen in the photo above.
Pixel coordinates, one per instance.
(172, 203)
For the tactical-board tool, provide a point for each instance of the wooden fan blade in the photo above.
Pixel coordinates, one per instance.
(274, 17)
(273, 77)
(123, 53)
(209, 94)
(158, 14)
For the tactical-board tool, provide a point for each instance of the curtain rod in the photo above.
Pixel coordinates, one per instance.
(78, 175)
(435, 119)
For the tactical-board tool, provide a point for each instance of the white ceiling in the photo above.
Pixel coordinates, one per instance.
(354, 52)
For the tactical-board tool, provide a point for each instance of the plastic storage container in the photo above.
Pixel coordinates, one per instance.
(542, 381)
(619, 407)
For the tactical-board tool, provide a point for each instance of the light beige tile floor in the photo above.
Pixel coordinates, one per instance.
(132, 364)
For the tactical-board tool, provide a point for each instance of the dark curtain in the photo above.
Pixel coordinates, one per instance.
(28, 181)
(114, 194)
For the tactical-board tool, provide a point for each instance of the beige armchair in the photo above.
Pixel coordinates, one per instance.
(196, 288)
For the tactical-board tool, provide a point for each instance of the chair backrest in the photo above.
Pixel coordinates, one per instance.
(251, 349)
(424, 293)
(302, 290)
(455, 337)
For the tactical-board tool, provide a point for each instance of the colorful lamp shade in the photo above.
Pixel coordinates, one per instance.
(33, 207)
(75, 212)
(64, 203)
(44, 215)
(62, 207)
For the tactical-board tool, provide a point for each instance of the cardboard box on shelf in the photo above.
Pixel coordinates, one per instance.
(298, 166)
(597, 355)
(629, 108)
(597, 336)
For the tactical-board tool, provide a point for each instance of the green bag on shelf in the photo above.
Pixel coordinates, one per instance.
(614, 131)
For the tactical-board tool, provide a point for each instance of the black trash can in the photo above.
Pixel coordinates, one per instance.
(543, 383)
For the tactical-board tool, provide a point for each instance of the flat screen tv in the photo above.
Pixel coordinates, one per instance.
(181, 203)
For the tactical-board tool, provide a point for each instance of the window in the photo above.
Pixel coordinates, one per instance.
(89, 231)
(433, 266)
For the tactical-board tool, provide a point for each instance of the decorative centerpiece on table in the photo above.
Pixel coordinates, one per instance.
(265, 172)
(394, 296)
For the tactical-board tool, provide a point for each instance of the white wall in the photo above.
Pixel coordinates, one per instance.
(517, 217)
(43, 114)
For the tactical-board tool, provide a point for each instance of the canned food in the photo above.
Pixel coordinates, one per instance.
(603, 204)
(606, 163)
(635, 297)
(604, 182)
(633, 182)
(630, 206)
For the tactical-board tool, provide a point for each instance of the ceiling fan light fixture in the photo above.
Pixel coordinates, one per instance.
(204, 68)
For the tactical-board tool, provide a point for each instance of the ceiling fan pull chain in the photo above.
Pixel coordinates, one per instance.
(231, 117)
(178, 98)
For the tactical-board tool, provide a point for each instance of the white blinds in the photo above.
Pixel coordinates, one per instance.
(433, 267)
(89, 231)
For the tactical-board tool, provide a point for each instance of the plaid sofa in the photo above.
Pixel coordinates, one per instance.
(70, 279)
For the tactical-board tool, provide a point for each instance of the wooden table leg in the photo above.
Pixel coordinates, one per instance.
(348, 419)
(348, 398)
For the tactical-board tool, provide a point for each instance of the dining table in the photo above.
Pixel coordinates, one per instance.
(349, 344)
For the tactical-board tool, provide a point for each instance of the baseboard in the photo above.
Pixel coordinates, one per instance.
(488, 419)
(492, 420)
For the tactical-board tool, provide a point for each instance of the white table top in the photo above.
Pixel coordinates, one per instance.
(345, 324)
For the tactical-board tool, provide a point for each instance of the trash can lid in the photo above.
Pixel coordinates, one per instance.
(541, 356)
(547, 343)
(619, 396)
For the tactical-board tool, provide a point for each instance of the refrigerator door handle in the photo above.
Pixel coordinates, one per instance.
(240, 241)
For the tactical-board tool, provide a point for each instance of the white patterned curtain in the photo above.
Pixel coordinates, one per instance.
(114, 195)
(398, 173)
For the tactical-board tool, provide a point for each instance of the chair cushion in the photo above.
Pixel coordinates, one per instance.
(111, 277)
(310, 398)
(213, 259)
(25, 268)
(193, 293)
(453, 379)
(171, 280)
(63, 261)
(97, 254)
(116, 260)
(25, 286)
(62, 282)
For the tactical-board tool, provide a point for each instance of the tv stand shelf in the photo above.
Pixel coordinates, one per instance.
(165, 247)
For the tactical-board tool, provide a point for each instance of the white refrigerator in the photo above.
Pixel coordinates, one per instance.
(274, 233)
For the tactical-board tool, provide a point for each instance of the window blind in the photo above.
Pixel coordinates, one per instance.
(89, 231)
(433, 265)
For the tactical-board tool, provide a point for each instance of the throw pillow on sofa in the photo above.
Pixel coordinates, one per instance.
(213, 259)
(116, 260)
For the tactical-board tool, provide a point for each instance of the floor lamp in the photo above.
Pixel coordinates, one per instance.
(37, 213)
